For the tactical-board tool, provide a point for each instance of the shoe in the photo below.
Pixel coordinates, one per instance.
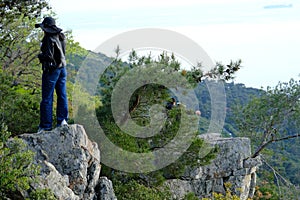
(64, 123)
(40, 130)
(64, 126)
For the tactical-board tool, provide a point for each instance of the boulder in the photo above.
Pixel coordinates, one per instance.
(70, 162)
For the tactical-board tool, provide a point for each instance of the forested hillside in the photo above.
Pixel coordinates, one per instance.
(235, 94)
(269, 117)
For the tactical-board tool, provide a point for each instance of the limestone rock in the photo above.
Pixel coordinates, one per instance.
(231, 165)
(70, 162)
(51, 178)
(106, 189)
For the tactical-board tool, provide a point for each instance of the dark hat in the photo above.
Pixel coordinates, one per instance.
(48, 25)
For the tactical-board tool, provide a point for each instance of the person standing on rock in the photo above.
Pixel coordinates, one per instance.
(52, 58)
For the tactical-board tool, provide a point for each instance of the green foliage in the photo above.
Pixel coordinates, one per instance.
(16, 165)
(18, 52)
(42, 194)
(9, 10)
(16, 102)
(17, 169)
(141, 104)
(275, 191)
(18, 42)
(271, 120)
(219, 72)
(75, 55)
(135, 190)
(190, 196)
(236, 94)
(271, 117)
(198, 154)
(266, 190)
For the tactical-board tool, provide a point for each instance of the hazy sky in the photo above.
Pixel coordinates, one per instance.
(267, 40)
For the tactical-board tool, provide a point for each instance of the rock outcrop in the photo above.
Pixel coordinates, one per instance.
(70, 164)
(233, 165)
(70, 167)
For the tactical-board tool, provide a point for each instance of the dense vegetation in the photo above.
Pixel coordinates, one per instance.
(269, 117)
(140, 105)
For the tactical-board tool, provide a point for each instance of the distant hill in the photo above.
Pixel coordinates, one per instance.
(235, 94)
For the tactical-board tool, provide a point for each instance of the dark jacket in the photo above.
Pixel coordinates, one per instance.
(53, 51)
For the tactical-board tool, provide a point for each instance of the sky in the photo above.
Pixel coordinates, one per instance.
(267, 40)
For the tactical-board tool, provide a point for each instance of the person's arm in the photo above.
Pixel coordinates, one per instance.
(47, 55)
(49, 50)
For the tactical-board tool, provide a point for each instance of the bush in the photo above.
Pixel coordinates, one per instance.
(17, 169)
(42, 194)
(190, 196)
(135, 190)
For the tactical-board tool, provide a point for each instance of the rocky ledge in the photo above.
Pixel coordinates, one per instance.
(70, 164)
(70, 167)
(233, 165)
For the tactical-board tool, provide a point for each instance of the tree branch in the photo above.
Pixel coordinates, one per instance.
(287, 137)
(261, 147)
(136, 103)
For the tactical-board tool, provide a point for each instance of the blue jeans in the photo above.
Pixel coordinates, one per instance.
(55, 79)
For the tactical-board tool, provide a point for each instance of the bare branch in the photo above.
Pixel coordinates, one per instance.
(261, 147)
